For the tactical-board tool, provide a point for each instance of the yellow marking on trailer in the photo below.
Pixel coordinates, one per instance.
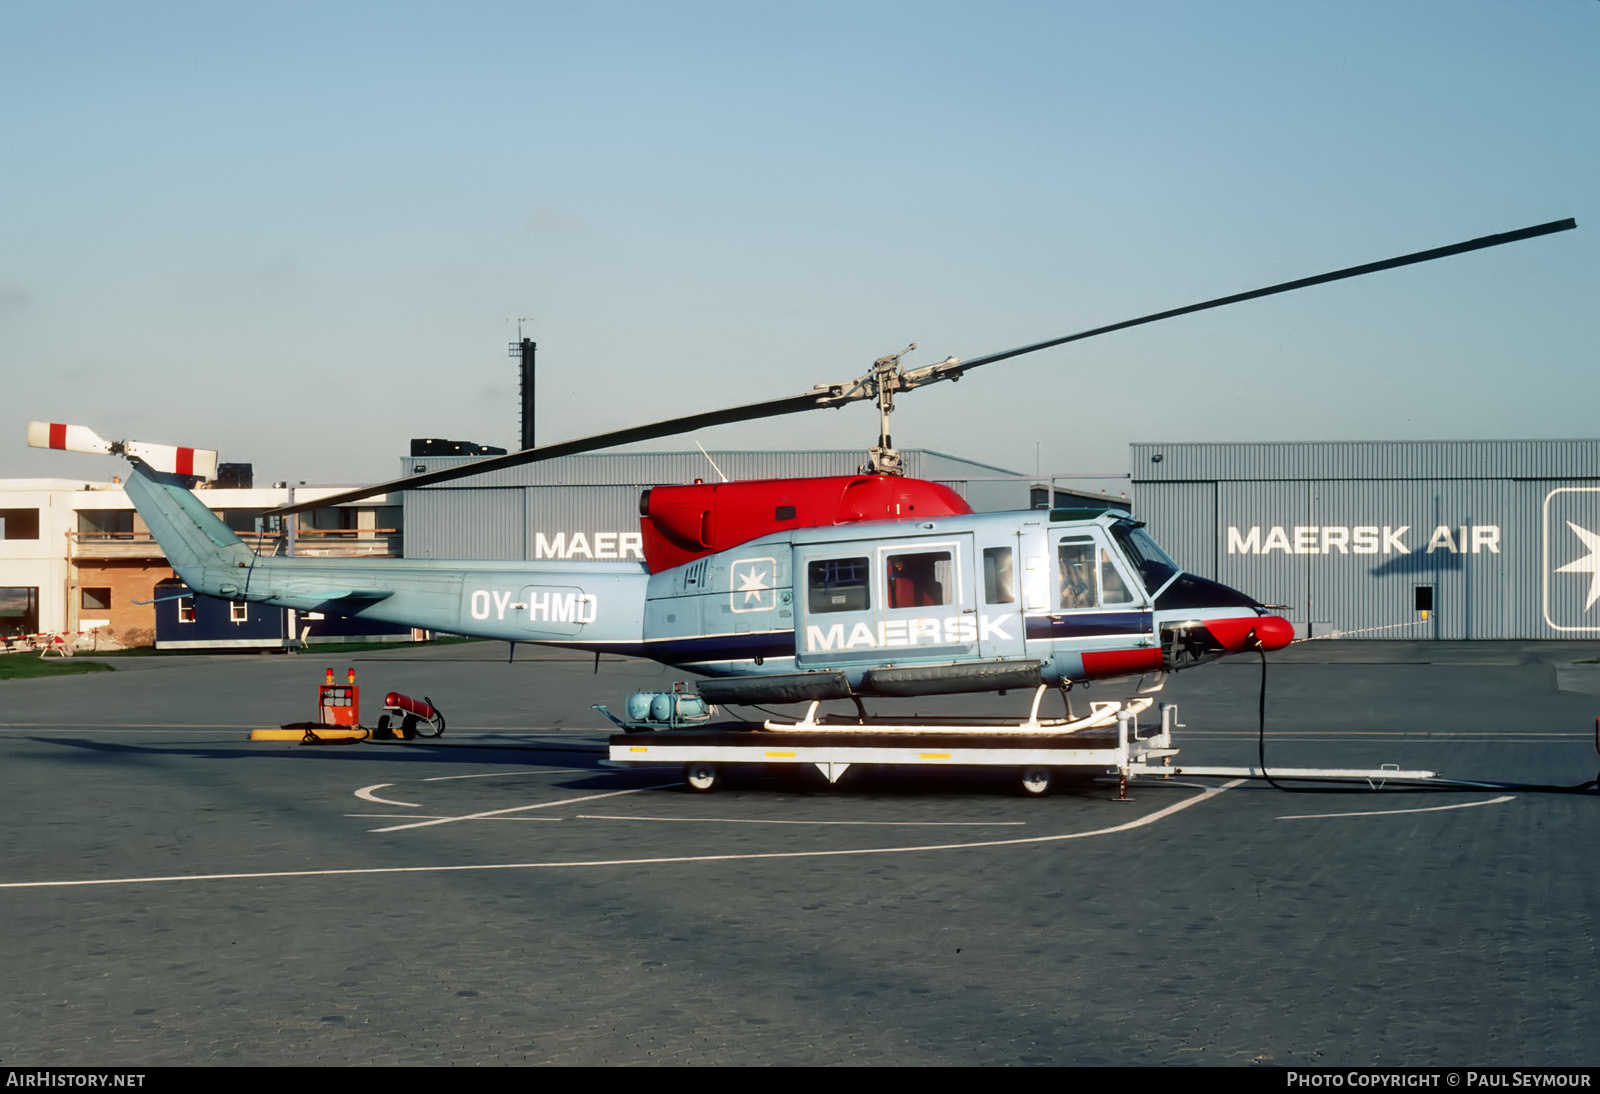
(639, 748)
(323, 733)
(935, 755)
(780, 755)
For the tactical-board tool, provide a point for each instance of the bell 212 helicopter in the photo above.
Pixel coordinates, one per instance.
(783, 590)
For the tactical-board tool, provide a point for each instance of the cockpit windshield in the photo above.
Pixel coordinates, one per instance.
(1155, 568)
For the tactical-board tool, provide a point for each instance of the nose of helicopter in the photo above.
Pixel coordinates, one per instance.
(1273, 632)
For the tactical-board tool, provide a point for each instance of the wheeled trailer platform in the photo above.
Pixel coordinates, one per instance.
(1110, 741)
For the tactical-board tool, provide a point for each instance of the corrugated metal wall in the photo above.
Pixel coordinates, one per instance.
(519, 513)
(1344, 534)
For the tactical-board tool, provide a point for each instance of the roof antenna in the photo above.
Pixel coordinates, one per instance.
(711, 461)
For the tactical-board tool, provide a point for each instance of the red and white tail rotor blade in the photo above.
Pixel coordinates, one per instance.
(68, 438)
(171, 459)
(201, 462)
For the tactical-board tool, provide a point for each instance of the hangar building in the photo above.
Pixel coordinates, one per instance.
(583, 507)
(1389, 539)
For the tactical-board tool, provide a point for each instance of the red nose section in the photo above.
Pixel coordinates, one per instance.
(1273, 632)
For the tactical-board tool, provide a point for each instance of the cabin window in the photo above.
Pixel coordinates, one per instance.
(1078, 586)
(920, 580)
(19, 523)
(999, 582)
(95, 598)
(838, 585)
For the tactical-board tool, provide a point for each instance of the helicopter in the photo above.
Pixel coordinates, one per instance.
(784, 590)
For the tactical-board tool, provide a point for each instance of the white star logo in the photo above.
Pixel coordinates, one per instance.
(754, 585)
(1588, 564)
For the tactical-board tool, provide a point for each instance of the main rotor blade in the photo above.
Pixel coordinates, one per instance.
(772, 408)
(839, 394)
(1271, 290)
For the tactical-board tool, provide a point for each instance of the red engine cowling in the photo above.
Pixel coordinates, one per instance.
(682, 523)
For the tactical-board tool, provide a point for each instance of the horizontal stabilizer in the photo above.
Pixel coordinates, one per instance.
(333, 596)
(166, 458)
(356, 594)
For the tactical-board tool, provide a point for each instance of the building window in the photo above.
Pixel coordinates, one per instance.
(186, 609)
(19, 611)
(95, 599)
(106, 523)
(238, 611)
(19, 524)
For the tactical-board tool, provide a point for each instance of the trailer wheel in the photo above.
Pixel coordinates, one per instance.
(701, 777)
(1036, 780)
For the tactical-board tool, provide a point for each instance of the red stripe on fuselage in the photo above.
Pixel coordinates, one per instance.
(58, 436)
(1121, 662)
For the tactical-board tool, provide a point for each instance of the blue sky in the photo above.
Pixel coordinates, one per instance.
(301, 233)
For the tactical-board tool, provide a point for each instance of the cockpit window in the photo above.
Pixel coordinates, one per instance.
(1116, 590)
(1075, 559)
(1155, 568)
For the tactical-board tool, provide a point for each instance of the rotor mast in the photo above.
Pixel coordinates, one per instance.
(879, 385)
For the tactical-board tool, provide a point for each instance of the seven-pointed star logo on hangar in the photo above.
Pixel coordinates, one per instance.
(1588, 564)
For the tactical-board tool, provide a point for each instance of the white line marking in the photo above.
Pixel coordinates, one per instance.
(520, 808)
(1160, 814)
(502, 774)
(1394, 812)
(744, 820)
(366, 794)
(436, 816)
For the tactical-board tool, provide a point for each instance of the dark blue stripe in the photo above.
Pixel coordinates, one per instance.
(680, 651)
(1089, 624)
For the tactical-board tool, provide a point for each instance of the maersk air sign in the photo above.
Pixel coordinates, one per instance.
(1569, 564)
(1363, 539)
(1569, 550)
(588, 545)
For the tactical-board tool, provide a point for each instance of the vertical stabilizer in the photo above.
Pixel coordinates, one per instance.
(193, 537)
